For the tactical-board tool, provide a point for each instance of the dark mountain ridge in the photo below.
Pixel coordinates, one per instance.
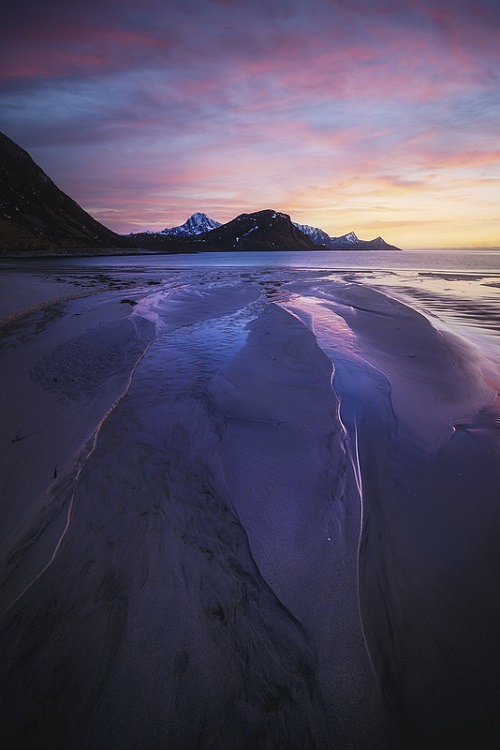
(262, 230)
(36, 218)
(260, 233)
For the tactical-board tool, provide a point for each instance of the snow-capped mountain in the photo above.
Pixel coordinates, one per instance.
(345, 240)
(36, 217)
(349, 241)
(261, 230)
(198, 223)
(318, 236)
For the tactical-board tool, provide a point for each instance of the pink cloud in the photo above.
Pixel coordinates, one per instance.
(459, 159)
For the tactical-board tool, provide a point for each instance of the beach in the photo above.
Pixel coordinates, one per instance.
(246, 508)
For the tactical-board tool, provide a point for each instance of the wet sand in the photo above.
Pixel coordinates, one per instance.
(244, 510)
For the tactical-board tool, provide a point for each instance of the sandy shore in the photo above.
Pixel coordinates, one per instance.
(244, 510)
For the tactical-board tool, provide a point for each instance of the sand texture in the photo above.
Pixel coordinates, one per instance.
(244, 510)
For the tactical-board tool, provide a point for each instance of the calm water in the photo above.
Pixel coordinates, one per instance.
(449, 260)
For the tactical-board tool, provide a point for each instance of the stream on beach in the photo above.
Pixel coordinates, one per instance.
(250, 501)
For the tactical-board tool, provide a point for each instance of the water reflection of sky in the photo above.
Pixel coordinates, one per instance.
(479, 261)
(466, 303)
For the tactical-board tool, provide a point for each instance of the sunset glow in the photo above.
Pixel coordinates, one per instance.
(375, 116)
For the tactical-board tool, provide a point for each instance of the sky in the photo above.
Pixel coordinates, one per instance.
(377, 116)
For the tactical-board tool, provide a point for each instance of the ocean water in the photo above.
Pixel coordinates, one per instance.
(487, 261)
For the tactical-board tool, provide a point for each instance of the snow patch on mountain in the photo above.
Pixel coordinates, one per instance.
(318, 236)
(260, 227)
(198, 223)
(344, 240)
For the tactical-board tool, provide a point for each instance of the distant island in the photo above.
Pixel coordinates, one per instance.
(261, 230)
(37, 218)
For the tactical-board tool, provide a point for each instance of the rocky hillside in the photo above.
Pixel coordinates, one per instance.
(35, 216)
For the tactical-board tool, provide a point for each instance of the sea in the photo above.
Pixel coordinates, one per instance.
(480, 260)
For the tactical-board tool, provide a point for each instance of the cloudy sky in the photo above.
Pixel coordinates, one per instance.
(381, 116)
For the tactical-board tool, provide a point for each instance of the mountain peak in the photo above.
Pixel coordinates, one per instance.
(266, 229)
(261, 230)
(197, 223)
(318, 236)
(200, 216)
(35, 216)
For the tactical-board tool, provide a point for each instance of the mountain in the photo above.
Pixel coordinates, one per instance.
(262, 230)
(198, 223)
(351, 242)
(36, 216)
(347, 241)
(318, 236)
